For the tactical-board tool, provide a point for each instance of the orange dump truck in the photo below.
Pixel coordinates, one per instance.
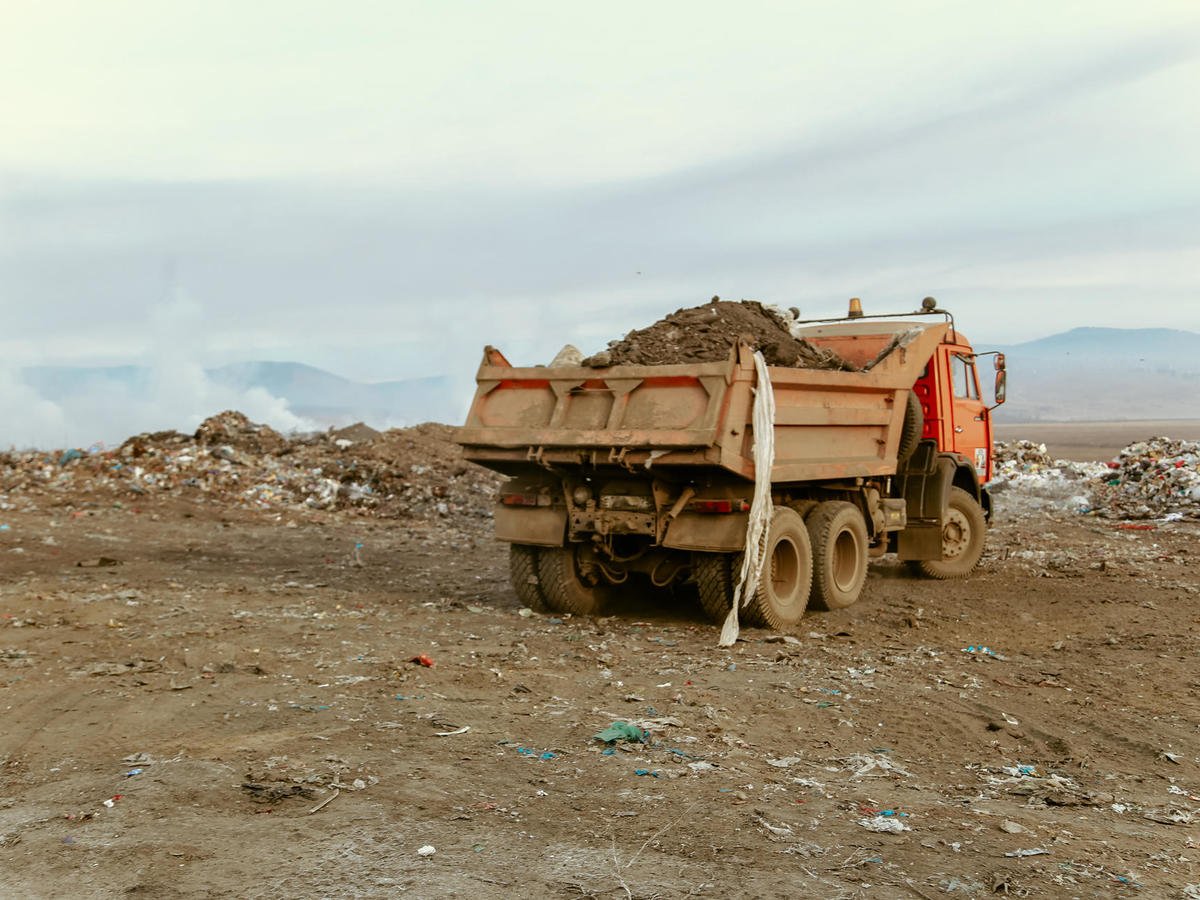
(641, 477)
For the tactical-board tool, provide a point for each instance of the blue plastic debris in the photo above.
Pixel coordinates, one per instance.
(981, 650)
(529, 751)
(642, 772)
(133, 772)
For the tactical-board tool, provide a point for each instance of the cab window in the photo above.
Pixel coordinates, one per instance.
(962, 374)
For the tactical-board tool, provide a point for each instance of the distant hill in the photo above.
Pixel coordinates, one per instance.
(330, 399)
(1097, 374)
(1086, 374)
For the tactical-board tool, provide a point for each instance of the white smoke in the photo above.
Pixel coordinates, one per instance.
(176, 393)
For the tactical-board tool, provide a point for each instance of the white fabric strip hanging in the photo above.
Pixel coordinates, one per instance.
(761, 507)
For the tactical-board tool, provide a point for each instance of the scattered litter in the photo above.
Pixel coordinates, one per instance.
(700, 766)
(1021, 854)
(422, 660)
(786, 762)
(884, 824)
(1010, 827)
(777, 830)
(113, 800)
(320, 806)
(864, 765)
(978, 650)
(1169, 815)
(133, 772)
(621, 731)
(658, 722)
(427, 850)
(462, 730)
(645, 772)
(1020, 771)
(540, 754)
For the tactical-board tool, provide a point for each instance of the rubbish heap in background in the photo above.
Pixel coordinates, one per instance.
(1154, 479)
(1026, 479)
(413, 472)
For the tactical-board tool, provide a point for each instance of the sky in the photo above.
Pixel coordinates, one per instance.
(380, 189)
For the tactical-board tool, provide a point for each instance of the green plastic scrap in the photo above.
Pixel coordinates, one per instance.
(621, 731)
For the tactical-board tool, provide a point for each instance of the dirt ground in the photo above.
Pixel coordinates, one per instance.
(232, 709)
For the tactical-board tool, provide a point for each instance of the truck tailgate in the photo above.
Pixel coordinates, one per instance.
(828, 424)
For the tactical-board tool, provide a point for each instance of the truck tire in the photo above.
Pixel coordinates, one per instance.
(911, 429)
(781, 597)
(523, 572)
(839, 548)
(716, 576)
(963, 534)
(565, 590)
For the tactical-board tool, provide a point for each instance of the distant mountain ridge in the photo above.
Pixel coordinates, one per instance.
(1098, 374)
(1085, 374)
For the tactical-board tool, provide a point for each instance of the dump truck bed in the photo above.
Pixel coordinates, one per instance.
(828, 424)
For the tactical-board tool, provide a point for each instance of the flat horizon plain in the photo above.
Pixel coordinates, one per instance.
(1099, 441)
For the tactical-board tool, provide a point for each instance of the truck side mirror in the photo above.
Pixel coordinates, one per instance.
(1001, 386)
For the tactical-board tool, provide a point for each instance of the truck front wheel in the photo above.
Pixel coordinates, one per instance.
(783, 587)
(566, 590)
(963, 533)
(523, 571)
(839, 546)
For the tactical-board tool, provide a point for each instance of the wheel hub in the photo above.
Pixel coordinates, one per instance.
(956, 535)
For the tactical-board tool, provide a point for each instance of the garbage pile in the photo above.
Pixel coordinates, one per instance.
(1154, 479)
(1027, 479)
(707, 334)
(413, 472)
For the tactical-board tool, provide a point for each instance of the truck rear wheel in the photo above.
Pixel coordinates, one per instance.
(781, 597)
(963, 533)
(839, 548)
(523, 572)
(566, 590)
(716, 576)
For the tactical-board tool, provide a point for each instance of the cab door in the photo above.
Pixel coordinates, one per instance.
(970, 422)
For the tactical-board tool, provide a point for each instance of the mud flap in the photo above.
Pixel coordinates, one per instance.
(926, 489)
(544, 526)
(712, 533)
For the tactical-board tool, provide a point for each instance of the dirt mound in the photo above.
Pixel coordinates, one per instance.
(235, 430)
(707, 333)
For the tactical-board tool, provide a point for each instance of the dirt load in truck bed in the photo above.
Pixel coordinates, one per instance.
(706, 334)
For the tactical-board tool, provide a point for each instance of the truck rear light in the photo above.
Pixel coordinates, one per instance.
(718, 506)
(524, 500)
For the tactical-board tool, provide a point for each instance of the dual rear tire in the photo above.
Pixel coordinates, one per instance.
(549, 579)
(822, 560)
